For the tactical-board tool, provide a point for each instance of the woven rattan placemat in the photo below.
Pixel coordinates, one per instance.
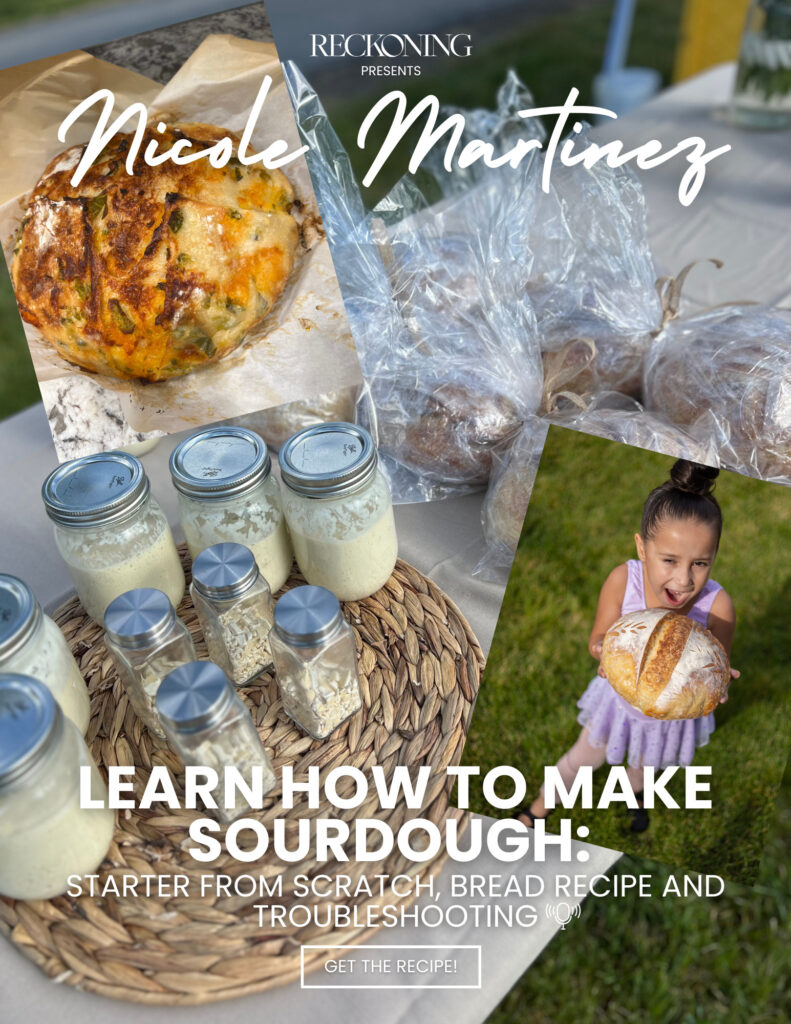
(419, 667)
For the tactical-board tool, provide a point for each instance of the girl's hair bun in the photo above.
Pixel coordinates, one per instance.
(688, 494)
(693, 478)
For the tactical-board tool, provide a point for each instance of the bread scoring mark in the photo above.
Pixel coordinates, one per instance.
(140, 289)
(667, 665)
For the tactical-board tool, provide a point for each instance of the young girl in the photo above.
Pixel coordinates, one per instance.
(676, 547)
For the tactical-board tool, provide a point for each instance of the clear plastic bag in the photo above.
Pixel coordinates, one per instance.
(593, 281)
(610, 415)
(457, 280)
(725, 376)
(435, 296)
(278, 424)
(619, 418)
(504, 507)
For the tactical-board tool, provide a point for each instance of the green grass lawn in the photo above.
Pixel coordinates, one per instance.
(16, 11)
(585, 508)
(675, 961)
(631, 960)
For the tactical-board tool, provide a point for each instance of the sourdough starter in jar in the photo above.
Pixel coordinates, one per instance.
(45, 835)
(110, 532)
(227, 492)
(147, 641)
(208, 726)
(338, 509)
(32, 645)
(315, 660)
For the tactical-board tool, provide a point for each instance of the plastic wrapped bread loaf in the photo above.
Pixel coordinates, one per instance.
(585, 354)
(619, 418)
(725, 376)
(664, 664)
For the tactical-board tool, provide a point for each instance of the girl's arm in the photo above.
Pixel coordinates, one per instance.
(722, 620)
(722, 623)
(609, 609)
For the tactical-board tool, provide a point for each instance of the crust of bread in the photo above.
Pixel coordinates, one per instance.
(664, 664)
(153, 274)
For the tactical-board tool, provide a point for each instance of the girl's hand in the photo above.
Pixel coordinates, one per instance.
(595, 650)
(735, 674)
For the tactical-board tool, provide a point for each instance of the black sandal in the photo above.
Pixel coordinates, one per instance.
(529, 814)
(639, 815)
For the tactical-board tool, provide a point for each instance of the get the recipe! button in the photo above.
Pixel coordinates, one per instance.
(393, 967)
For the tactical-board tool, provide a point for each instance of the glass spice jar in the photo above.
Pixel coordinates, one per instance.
(110, 532)
(146, 640)
(45, 836)
(226, 492)
(31, 644)
(208, 726)
(338, 509)
(234, 606)
(315, 661)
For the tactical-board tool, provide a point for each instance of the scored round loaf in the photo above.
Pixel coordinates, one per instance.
(665, 664)
(153, 274)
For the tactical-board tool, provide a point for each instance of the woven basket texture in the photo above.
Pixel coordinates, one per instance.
(419, 666)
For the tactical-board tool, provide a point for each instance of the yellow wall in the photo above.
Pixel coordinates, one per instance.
(710, 34)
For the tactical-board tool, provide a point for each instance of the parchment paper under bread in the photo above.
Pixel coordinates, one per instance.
(303, 348)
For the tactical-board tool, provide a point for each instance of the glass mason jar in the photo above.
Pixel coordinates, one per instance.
(226, 492)
(338, 509)
(110, 532)
(234, 606)
(32, 645)
(45, 835)
(315, 661)
(147, 641)
(208, 726)
(762, 94)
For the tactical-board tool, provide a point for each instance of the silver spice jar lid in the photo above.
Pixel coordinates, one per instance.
(194, 696)
(328, 459)
(95, 490)
(20, 615)
(221, 462)
(224, 571)
(139, 617)
(30, 722)
(305, 616)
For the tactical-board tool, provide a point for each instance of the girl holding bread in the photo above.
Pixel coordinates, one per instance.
(676, 548)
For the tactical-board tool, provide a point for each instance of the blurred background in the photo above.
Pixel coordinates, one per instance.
(688, 961)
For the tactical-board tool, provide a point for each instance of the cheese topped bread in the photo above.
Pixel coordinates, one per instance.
(153, 274)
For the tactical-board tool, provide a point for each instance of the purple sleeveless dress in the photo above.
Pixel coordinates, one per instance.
(627, 732)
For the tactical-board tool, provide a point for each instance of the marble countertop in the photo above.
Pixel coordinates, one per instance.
(159, 54)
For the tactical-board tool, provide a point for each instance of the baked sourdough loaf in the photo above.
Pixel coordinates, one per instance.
(665, 664)
(153, 274)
